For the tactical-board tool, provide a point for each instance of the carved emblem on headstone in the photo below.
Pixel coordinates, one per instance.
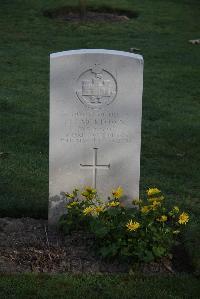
(96, 87)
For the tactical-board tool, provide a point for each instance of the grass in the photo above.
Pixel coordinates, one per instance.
(170, 128)
(171, 107)
(94, 286)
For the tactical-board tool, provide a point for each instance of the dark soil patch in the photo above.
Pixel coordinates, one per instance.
(100, 14)
(28, 245)
(181, 259)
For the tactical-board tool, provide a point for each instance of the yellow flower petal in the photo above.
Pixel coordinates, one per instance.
(145, 209)
(176, 209)
(183, 218)
(132, 226)
(118, 192)
(153, 191)
(88, 210)
(113, 204)
(72, 204)
(137, 201)
(155, 205)
(99, 209)
(71, 196)
(90, 190)
(162, 218)
(159, 198)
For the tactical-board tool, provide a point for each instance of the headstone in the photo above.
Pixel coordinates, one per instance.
(95, 124)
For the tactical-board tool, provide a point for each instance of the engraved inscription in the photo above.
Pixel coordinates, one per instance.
(96, 87)
(96, 128)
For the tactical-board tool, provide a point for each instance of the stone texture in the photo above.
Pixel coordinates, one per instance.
(95, 123)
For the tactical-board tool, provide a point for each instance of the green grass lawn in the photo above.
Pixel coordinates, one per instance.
(171, 105)
(97, 287)
(170, 127)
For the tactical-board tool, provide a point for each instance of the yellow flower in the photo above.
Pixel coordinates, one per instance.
(152, 199)
(137, 201)
(72, 204)
(132, 226)
(145, 209)
(113, 204)
(94, 211)
(162, 218)
(73, 194)
(118, 192)
(152, 191)
(70, 195)
(85, 194)
(88, 210)
(99, 209)
(155, 205)
(89, 193)
(183, 218)
(175, 209)
(90, 190)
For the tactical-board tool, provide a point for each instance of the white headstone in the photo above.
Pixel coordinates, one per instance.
(95, 124)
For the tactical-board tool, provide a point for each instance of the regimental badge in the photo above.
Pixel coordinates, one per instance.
(96, 87)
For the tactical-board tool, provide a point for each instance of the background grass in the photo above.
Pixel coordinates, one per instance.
(94, 287)
(171, 105)
(170, 128)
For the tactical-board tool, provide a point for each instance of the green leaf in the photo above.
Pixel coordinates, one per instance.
(148, 256)
(109, 251)
(98, 228)
(158, 251)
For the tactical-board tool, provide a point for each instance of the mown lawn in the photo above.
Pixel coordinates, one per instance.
(94, 287)
(170, 128)
(171, 112)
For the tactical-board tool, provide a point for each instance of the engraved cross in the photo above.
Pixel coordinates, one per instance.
(94, 166)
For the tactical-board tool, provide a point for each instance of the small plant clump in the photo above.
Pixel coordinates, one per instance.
(142, 232)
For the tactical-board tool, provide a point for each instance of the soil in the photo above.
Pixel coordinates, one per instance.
(101, 14)
(28, 245)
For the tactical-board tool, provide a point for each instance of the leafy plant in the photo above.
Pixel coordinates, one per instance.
(146, 231)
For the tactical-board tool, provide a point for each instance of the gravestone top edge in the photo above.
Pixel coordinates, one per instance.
(96, 51)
